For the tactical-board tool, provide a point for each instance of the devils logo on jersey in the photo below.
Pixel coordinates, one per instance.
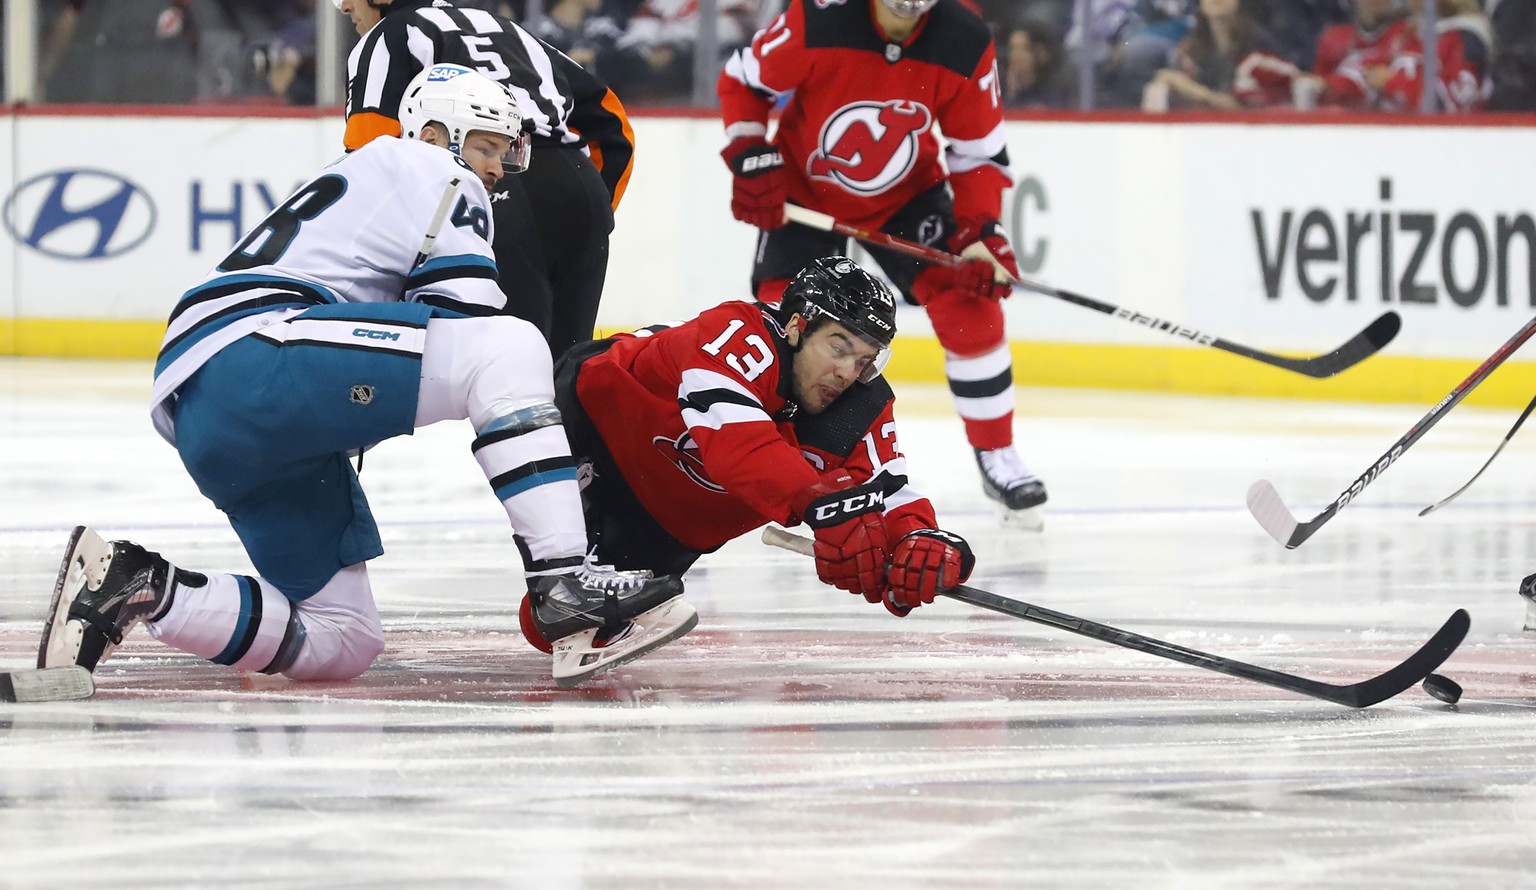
(683, 452)
(867, 147)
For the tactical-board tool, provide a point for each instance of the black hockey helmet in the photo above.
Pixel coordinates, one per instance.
(834, 288)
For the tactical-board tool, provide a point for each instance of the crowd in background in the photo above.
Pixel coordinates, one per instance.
(1154, 55)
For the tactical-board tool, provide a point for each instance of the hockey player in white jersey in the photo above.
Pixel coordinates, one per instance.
(363, 307)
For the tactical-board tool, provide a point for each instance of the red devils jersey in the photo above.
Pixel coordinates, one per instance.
(1462, 50)
(696, 418)
(859, 134)
(1344, 53)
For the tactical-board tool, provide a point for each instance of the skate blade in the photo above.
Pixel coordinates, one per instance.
(1029, 519)
(85, 564)
(47, 684)
(576, 660)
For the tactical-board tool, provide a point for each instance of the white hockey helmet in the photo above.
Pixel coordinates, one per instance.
(461, 100)
(909, 9)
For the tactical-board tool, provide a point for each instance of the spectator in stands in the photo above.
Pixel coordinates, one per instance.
(287, 60)
(1382, 61)
(1128, 41)
(1033, 73)
(1055, 13)
(1464, 50)
(111, 52)
(1146, 45)
(579, 29)
(1296, 25)
(1514, 66)
(61, 34)
(653, 59)
(1226, 62)
(1346, 52)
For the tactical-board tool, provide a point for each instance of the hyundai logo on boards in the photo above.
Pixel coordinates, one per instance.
(79, 214)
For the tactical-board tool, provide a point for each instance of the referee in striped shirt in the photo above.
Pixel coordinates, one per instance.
(553, 220)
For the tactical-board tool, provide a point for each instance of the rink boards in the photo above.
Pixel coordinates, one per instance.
(1281, 235)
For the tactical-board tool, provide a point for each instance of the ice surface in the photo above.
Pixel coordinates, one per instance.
(800, 737)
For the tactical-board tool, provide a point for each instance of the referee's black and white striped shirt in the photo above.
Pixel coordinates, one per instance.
(561, 102)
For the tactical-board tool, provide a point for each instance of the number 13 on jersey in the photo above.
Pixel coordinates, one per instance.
(750, 362)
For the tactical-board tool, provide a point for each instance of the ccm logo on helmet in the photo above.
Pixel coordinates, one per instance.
(863, 502)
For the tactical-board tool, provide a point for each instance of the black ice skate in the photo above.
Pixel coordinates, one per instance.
(103, 590)
(595, 618)
(1528, 591)
(1005, 479)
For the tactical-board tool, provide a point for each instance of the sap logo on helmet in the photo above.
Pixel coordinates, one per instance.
(79, 214)
(446, 72)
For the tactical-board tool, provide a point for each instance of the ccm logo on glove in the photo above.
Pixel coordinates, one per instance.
(825, 513)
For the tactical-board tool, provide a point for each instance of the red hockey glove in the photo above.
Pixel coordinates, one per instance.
(971, 280)
(925, 563)
(851, 547)
(984, 241)
(761, 186)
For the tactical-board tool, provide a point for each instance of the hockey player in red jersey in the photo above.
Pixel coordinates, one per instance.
(871, 84)
(686, 437)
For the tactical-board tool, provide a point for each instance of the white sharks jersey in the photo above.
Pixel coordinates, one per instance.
(353, 234)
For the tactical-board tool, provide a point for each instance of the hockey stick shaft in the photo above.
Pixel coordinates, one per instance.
(1486, 464)
(1265, 503)
(439, 216)
(1359, 347)
(1358, 695)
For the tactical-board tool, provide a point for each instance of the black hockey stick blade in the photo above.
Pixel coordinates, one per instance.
(1353, 351)
(47, 684)
(1355, 695)
(1406, 675)
(1507, 436)
(1399, 679)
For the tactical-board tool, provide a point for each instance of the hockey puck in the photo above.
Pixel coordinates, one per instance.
(1443, 688)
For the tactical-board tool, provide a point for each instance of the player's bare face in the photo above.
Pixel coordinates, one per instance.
(483, 152)
(363, 16)
(829, 361)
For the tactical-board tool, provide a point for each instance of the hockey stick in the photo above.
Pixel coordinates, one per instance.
(46, 684)
(1507, 436)
(1354, 350)
(438, 216)
(1355, 695)
(1265, 504)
